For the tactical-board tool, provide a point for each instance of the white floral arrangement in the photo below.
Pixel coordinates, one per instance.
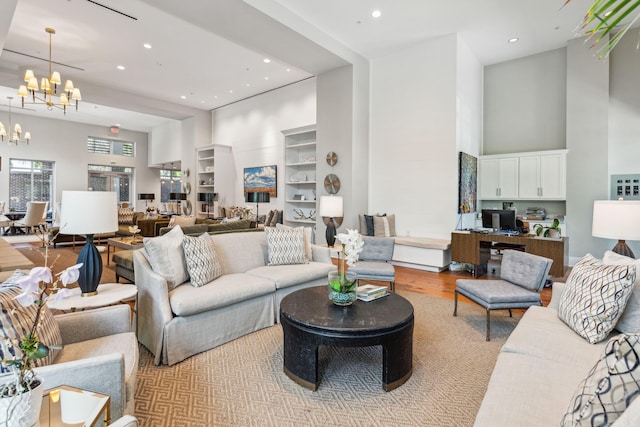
(352, 245)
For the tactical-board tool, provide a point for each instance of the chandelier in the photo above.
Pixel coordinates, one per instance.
(14, 135)
(31, 94)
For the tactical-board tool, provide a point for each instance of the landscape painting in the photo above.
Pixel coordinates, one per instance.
(468, 177)
(261, 178)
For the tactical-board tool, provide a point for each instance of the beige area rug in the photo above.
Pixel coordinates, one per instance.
(241, 383)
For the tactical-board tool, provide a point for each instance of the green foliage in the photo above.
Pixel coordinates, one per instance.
(540, 229)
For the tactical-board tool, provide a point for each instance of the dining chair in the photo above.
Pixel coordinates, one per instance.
(522, 277)
(32, 218)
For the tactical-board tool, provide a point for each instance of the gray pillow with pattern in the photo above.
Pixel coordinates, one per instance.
(202, 260)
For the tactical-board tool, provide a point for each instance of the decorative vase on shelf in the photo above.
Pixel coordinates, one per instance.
(342, 287)
(22, 409)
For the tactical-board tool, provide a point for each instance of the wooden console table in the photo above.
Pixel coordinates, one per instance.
(475, 248)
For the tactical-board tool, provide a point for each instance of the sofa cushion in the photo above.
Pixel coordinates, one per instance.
(630, 320)
(202, 261)
(285, 276)
(232, 225)
(285, 246)
(166, 256)
(182, 221)
(240, 252)
(16, 322)
(123, 259)
(377, 249)
(595, 296)
(610, 387)
(226, 290)
(373, 268)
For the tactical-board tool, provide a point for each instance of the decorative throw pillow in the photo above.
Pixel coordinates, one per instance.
(612, 384)
(630, 320)
(384, 226)
(308, 233)
(182, 221)
(16, 321)
(125, 216)
(267, 222)
(202, 260)
(285, 245)
(595, 297)
(232, 219)
(166, 256)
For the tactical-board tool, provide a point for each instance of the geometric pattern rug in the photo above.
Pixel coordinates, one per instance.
(241, 383)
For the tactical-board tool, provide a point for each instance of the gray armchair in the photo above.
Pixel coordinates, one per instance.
(375, 261)
(522, 277)
(100, 354)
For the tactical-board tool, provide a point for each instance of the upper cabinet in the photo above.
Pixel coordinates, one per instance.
(523, 176)
(498, 178)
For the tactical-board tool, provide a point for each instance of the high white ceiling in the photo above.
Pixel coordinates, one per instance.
(212, 51)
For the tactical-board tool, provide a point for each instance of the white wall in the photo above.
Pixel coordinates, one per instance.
(413, 150)
(66, 143)
(165, 143)
(253, 128)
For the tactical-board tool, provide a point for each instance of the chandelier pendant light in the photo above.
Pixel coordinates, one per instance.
(15, 133)
(44, 94)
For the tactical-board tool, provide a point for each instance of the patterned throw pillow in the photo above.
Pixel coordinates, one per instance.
(595, 297)
(384, 226)
(166, 256)
(630, 320)
(16, 322)
(285, 245)
(202, 259)
(125, 216)
(183, 221)
(612, 384)
(308, 235)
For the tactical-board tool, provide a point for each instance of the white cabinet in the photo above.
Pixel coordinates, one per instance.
(498, 178)
(300, 176)
(213, 175)
(524, 176)
(543, 177)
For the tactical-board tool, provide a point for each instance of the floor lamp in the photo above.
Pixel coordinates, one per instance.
(146, 197)
(331, 211)
(89, 213)
(178, 197)
(209, 198)
(617, 219)
(257, 197)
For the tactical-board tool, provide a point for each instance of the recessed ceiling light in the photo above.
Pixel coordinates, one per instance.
(201, 102)
(183, 97)
(215, 96)
(147, 45)
(120, 67)
(376, 14)
(248, 84)
(266, 78)
(513, 40)
(266, 60)
(288, 69)
(230, 91)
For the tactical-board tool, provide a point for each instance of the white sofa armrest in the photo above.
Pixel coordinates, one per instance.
(86, 325)
(154, 308)
(556, 293)
(321, 254)
(102, 374)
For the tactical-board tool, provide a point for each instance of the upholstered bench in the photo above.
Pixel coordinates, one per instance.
(123, 261)
(423, 253)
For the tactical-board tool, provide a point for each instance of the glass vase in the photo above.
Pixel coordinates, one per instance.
(342, 287)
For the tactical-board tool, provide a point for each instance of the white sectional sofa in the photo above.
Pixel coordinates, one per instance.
(538, 371)
(178, 323)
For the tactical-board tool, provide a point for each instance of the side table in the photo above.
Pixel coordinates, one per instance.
(66, 405)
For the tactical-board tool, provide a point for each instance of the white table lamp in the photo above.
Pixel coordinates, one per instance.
(617, 219)
(331, 211)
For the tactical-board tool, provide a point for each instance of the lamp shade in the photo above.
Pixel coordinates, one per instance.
(207, 197)
(257, 197)
(177, 196)
(146, 196)
(88, 212)
(616, 219)
(331, 206)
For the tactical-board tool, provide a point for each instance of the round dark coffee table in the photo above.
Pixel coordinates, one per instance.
(309, 320)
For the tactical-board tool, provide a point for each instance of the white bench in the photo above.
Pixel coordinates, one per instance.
(422, 253)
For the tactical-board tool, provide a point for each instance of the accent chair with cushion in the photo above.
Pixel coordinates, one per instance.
(33, 217)
(374, 262)
(522, 277)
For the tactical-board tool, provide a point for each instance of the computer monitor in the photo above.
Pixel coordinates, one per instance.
(506, 219)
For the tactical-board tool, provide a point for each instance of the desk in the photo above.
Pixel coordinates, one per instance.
(474, 248)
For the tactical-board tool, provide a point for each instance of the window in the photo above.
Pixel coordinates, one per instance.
(170, 182)
(30, 180)
(110, 146)
(112, 178)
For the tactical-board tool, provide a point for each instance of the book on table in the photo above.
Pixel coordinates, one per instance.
(370, 292)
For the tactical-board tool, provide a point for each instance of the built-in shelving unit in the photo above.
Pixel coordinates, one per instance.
(300, 176)
(212, 176)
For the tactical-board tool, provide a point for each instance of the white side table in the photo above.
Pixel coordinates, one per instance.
(108, 294)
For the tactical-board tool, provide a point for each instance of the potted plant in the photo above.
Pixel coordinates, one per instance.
(552, 231)
(342, 283)
(21, 389)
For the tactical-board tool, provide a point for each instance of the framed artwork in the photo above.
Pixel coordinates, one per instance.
(467, 183)
(261, 178)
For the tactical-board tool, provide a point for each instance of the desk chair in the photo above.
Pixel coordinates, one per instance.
(374, 262)
(522, 277)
